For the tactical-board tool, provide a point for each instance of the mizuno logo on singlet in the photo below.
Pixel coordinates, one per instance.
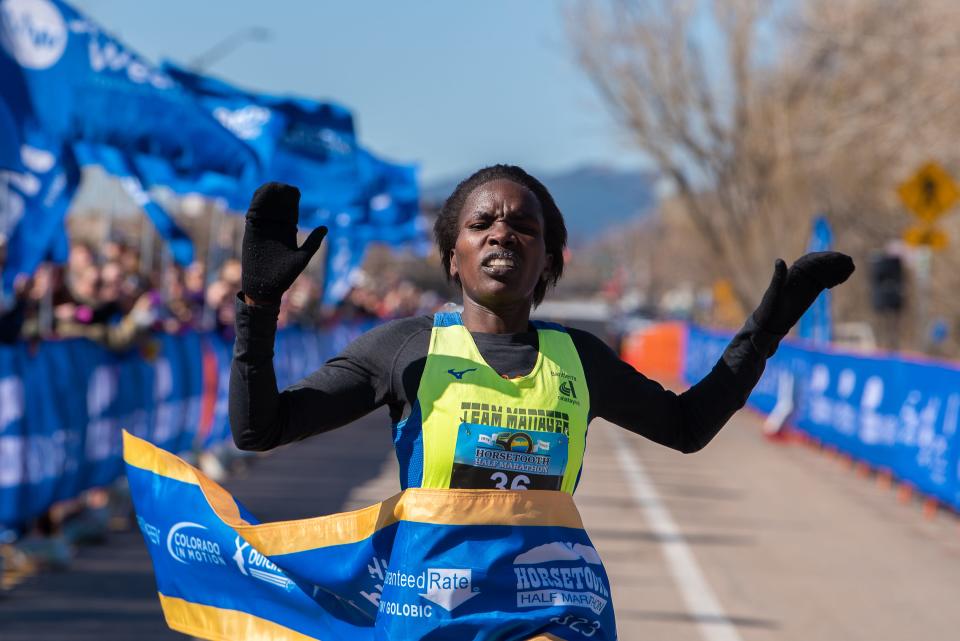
(459, 375)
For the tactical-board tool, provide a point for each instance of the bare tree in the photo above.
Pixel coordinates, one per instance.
(702, 113)
(873, 99)
(761, 120)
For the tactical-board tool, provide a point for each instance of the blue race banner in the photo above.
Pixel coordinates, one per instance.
(893, 413)
(254, 122)
(386, 211)
(424, 564)
(34, 202)
(346, 247)
(59, 438)
(38, 176)
(303, 142)
(394, 204)
(83, 84)
(13, 454)
(312, 144)
(321, 130)
(10, 141)
(65, 80)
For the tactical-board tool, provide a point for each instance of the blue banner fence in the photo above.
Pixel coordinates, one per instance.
(63, 405)
(893, 413)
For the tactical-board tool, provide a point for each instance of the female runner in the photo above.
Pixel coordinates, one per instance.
(486, 398)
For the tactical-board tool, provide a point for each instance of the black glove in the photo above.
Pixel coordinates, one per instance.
(792, 291)
(270, 260)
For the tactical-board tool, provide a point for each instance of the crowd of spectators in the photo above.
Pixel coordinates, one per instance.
(384, 297)
(107, 296)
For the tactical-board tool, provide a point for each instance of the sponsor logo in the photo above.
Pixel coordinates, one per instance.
(568, 392)
(33, 32)
(515, 442)
(188, 546)
(560, 573)
(150, 532)
(459, 375)
(448, 588)
(106, 54)
(534, 419)
(515, 451)
(246, 123)
(410, 610)
(378, 570)
(253, 564)
(381, 202)
(567, 389)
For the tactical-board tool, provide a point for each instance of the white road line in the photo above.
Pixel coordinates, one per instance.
(702, 603)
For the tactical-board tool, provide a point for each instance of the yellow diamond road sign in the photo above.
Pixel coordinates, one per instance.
(925, 236)
(930, 192)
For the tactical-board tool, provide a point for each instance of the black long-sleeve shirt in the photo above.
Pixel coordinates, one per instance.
(384, 366)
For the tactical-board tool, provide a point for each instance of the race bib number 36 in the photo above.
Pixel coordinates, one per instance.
(497, 458)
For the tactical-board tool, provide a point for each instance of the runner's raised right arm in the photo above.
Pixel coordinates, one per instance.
(270, 262)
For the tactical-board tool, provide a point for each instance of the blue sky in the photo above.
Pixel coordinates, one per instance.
(449, 85)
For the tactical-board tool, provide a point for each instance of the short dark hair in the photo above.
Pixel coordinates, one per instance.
(554, 229)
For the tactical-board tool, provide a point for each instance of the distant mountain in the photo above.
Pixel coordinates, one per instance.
(592, 199)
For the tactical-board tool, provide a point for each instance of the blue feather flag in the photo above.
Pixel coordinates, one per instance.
(816, 324)
(84, 84)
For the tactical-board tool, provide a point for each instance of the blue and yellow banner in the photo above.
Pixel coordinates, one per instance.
(481, 565)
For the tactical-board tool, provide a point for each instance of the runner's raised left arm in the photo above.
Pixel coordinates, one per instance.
(689, 420)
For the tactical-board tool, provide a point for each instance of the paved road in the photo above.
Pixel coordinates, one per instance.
(792, 545)
(745, 541)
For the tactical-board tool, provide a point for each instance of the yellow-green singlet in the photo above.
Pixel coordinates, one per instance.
(471, 428)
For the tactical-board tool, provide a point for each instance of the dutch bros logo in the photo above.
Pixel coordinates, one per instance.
(33, 32)
(188, 547)
(254, 564)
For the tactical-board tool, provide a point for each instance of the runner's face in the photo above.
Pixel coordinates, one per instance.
(500, 253)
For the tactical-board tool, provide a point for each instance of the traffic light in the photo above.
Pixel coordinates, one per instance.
(886, 283)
